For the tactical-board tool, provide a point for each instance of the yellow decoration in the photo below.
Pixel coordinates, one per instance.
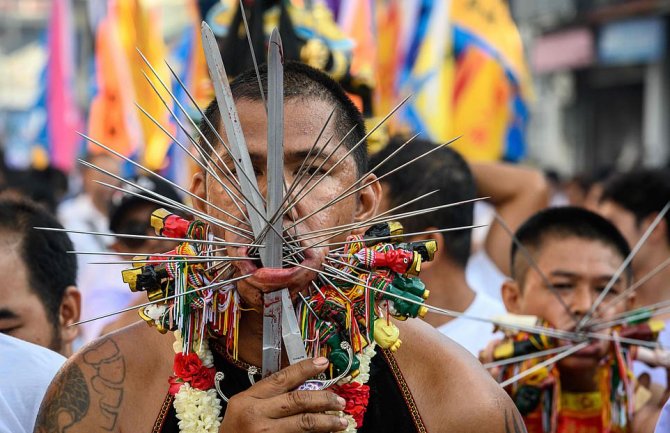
(387, 335)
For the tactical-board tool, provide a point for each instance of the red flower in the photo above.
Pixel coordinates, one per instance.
(189, 368)
(357, 397)
(175, 385)
(204, 380)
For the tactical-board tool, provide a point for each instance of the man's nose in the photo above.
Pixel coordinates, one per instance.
(582, 300)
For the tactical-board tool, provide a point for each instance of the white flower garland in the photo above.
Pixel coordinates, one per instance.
(197, 411)
(365, 357)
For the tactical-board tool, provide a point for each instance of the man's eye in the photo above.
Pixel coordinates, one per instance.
(316, 171)
(612, 291)
(8, 331)
(563, 286)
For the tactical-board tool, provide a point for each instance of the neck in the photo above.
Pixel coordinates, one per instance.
(581, 380)
(448, 290)
(656, 289)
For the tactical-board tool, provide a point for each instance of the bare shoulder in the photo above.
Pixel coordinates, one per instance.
(453, 392)
(104, 386)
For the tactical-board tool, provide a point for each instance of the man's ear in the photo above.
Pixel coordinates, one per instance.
(70, 310)
(368, 200)
(660, 233)
(199, 188)
(512, 296)
(439, 240)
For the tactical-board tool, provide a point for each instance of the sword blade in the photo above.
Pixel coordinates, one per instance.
(231, 123)
(279, 319)
(272, 253)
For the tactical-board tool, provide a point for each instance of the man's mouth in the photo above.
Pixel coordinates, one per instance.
(268, 280)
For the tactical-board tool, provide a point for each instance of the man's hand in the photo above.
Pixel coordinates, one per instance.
(486, 356)
(516, 193)
(273, 404)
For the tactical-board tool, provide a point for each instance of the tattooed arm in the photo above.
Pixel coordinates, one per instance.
(87, 393)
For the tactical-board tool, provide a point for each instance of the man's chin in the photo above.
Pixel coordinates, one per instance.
(252, 295)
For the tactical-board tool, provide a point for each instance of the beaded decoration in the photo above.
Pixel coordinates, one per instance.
(343, 318)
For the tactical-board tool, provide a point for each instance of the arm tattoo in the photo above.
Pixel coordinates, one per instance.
(514, 422)
(110, 372)
(69, 397)
(66, 401)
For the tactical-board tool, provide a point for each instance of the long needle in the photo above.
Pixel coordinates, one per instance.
(167, 298)
(567, 352)
(587, 317)
(525, 357)
(161, 238)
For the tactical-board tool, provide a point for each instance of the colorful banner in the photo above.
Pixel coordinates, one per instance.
(63, 117)
(113, 119)
(428, 72)
(463, 63)
(492, 83)
(129, 27)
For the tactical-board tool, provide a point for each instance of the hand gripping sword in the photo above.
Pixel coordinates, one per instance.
(279, 319)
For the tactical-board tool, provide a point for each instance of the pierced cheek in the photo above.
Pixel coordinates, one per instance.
(605, 312)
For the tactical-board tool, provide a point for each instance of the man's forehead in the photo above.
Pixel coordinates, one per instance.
(301, 131)
(576, 254)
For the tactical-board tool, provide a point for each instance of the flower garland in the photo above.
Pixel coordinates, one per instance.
(356, 392)
(343, 321)
(198, 406)
(195, 400)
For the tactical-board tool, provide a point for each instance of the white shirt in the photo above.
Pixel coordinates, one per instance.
(474, 335)
(484, 276)
(26, 370)
(658, 375)
(102, 292)
(80, 214)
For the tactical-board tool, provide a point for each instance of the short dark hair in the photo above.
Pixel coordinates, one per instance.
(300, 82)
(565, 222)
(49, 267)
(443, 170)
(643, 192)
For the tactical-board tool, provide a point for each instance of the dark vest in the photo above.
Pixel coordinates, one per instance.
(391, 407)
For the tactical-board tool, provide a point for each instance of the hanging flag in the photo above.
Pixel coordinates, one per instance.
(141, 28)
(113, 119)
(63, 117)
(492, 82)
(463, 63)
(481, 106)
(428, 71)
(188, 60)
(356, 20)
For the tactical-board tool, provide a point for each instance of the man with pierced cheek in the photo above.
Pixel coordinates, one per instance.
(575, 253)
(123, 377)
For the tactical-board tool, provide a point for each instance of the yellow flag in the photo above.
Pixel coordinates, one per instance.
(481, 111)
(141, 26)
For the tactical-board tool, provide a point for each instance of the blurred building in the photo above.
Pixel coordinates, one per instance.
(602, 78)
